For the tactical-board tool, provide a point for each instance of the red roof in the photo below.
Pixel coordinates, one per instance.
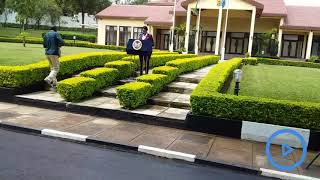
(273, 8)
(302, 17)
(151, 14)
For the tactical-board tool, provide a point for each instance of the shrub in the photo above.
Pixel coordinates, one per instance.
(22, 76)
(103, 76)
(207, 100)
(125, 68)
(77, 88)
(158, 60)
(79, 36)
(158, 81)
(133, 95)
(171, 72)
(313, 59)
(247, 55)
(191, 64)
(288, 63)
(250, 61)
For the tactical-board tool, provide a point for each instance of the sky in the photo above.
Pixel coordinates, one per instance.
(303, 2)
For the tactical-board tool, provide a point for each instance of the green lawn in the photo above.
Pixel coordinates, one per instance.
(280, 82)
(13, 32)
(16, 54)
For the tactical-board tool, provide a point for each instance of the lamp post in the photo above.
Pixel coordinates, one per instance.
(237, 76)
(74, 40)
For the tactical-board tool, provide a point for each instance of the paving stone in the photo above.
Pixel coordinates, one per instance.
(181, 87)
(164, 98)
(182, 101)
(310, 156)
(109, 91)
(49, 114)
(66, 121)
(193, 143)
(123, 133)
(93, 127)
(231, 156)
(233, 144)
(175, 113)
(110, 103)
(4, 115)
(152, 110)
(44, 96)
(313, 171)
(261, 161)
(93, 102)
(4, 106)
(28, 120)
(24, 110)
(159, 137)
(275, 150)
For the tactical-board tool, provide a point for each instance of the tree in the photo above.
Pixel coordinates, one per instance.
(138, 2)
(2, 6)
(88, 6)
(24, 9)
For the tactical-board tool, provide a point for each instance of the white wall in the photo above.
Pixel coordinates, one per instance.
(73, 22)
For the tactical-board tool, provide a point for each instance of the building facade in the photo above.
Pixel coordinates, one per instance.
(293, 31)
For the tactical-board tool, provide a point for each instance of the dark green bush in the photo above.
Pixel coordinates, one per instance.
(158, 81)
(191, 64)
(133, 95)
(22, 76)
(250, 61)
(77, 88)
(171, 72)
(125, 68)
(79, 36)
(288, 63)
(103, 76)
(206, 100)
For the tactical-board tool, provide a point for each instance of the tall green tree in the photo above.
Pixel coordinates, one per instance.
(2, 6)
(88, 6)
(138, 2)
(24, 9)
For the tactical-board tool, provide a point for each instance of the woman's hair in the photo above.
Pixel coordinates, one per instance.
(145, 28)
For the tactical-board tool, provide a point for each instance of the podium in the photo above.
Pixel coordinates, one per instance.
(139, 47)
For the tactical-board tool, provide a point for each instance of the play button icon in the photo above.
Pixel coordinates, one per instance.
(286, 150)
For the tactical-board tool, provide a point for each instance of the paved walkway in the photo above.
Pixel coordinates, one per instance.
(205, 146)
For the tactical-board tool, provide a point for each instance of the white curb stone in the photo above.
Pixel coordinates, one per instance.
(262, 132)
(65, 135)
(166, 153)
(284, 175)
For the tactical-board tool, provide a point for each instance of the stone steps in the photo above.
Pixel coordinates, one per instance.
(181, 87)
(170, 99)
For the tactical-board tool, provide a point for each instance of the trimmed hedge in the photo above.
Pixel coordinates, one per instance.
(103, 76)
(133, 95)
(77, 88)
(250, 61)
(158, 60)
(191, 64)
(32, 40)
(80, 36)
(288, 63)
(171, 72)
(23, 76)
(158, 81)
(125, 68)
(206, 100)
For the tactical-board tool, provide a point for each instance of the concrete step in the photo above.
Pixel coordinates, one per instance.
(181, 87)
(109, 92)
(169, 99)
(125, 81)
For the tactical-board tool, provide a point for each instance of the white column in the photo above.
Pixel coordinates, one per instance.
(132, 32)
(101, 33)
(186, 41)
(253, 22)
(304, 46)
(173, 26)
(280, 37)
(216, 51)
(118, 35)
(196, 44)
(309, 46)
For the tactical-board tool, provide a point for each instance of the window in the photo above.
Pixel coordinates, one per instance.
(163, 39)
(111, 35)
(125, 35)
(316, 46)
(208, 41)
(136, 32)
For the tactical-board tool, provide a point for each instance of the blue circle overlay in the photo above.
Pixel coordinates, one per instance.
(279, 166)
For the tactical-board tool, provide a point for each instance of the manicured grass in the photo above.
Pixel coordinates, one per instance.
(14, 32)
(280, 82)
(16, 54)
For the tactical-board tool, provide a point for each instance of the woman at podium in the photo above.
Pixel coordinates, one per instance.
(144, 59)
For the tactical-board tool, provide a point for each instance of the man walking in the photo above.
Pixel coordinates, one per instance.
(52, 42)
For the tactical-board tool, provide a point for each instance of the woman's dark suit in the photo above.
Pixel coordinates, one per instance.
(144, 60)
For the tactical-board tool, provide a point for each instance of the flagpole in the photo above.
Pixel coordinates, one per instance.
(223, 50)
(173, 26)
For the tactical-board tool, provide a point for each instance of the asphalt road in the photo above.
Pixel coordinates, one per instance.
(24, 156)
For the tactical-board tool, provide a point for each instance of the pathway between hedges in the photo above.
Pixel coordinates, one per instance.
(172, 103)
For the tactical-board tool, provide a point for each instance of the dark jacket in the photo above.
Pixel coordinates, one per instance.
(149, 37)
(52, 41)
